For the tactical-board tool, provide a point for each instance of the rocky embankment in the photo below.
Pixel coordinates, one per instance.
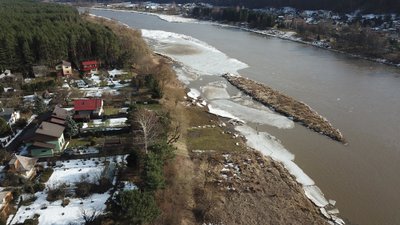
(299, 111)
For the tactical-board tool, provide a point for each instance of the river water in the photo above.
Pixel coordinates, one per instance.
(359, 97)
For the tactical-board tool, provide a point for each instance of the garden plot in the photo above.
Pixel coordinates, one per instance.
(69, 173)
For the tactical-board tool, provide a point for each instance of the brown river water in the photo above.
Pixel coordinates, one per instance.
(359, 97)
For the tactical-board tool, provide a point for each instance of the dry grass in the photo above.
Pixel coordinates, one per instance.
(212, 139)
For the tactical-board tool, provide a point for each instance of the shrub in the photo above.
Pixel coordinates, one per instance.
(55, 194)
(83, 189)
(65, 202)
(29, 200)
(38, 187)
(45, 175)
(137, 207)
(20, 123)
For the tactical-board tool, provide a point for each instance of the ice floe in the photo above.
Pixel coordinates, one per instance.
(193, 93)
(205, 59)
(249, 114)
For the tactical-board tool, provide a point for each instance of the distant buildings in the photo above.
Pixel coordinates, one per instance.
(88, 67)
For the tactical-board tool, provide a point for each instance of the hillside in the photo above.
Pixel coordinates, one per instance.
(43, 33)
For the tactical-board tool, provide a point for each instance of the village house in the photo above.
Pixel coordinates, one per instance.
(47, 140)
(89, 67)
(64, 68)
(85, 109)
(23, 166)
(59, 116)
(5, 198)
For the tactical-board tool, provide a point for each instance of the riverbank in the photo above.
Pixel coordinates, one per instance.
(223, 178)
(299, 111)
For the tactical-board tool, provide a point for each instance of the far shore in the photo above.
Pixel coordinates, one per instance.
(270, 32)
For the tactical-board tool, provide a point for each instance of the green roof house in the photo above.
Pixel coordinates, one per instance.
(47, 141)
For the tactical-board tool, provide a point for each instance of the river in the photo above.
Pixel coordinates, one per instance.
(359, 97)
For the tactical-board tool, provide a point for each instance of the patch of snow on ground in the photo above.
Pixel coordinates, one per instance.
(206, 61)
(69, 172)
(116, 72)
(249, 114)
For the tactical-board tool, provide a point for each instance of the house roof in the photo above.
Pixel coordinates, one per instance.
(43, 145)
(89, 62)
(88, 104)
(65, 63)
(57, 121)
(50, 129)
(60, 113)
(25, 163)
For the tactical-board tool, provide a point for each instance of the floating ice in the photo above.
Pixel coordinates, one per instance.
(176, 18)
(203, 59)
(222, 113)
(215, 90)
(193, 93)
(249, 114)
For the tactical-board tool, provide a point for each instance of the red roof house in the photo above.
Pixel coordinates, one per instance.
(89, 66)
(88, 108)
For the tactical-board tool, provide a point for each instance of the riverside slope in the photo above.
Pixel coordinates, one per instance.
(299, 111)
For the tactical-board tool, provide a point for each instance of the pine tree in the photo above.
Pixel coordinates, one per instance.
(40, 106)
(71, 127)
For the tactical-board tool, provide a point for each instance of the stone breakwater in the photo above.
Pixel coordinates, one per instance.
(285, 105)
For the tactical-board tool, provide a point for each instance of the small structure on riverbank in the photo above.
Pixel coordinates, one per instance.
(299, 111)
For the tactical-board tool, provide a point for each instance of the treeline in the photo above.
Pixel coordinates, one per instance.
(376, 6)
(255, 19)
(45, 33)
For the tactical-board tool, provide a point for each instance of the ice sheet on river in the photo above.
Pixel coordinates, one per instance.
(201, 57)
(253, 115)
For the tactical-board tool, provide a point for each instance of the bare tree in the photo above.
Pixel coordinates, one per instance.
(89, 215)
(149, 126)
(174, 133)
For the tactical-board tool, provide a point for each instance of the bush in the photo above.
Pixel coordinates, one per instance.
(28, 201)
(20, 123)
(45, 175)
(137, 207)
(55, 194)
(65, 202)
(38, 187)
(83, 189)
